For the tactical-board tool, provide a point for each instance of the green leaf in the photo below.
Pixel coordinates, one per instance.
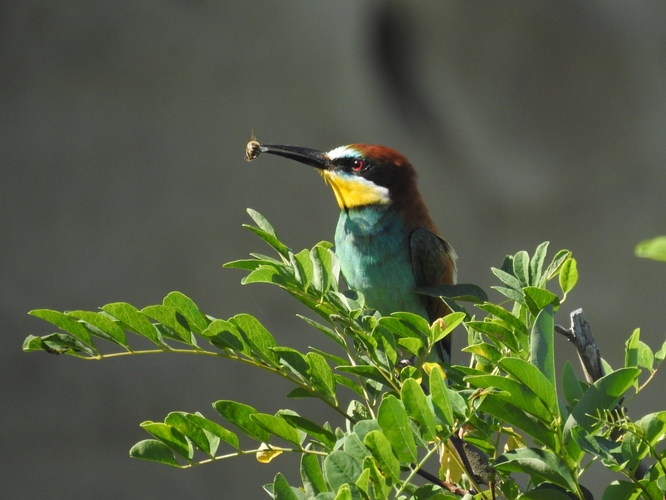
(654, 248)
(568, 275)
(170, 437)
(514, 416)
(406, 325)
(554, 266)
(608, 451)
(496, 331)
(418, 408)
(196, 321)
(354, 446)
(293, 360)
(66, 323)
(102, 326)
(349, 384)
(302, 267)
(530, 376)
(266, 232)
(324, 436)
(512, 322)
(386, 352)
(239, 415)
(624, 490)
(515, 393)
(245, 264)
(300, 393)
(153, 451)
(381, 484)
(321, 374)
(208, 443)
(278, 426)
(521, 267)
(465, 292)
(225, 335)
(510, 293)
(604, 394)
(541, 465)
(312, 475)
(393, 420)
(440, 397)
(380, 447)
(257, 337)
(538, 298)
(341, 468)
(134, 321)
(484, 350)
(168, 319)
(508, 279)
(58, 343)
(214, 429)
(329, 332)
(324, 268)
(542, 343)
(571, 386)
(536, 265)
(265, 274)
(638, 353)
(653, 426)
(345, 493)
(445, 325)
(365, 371)
(282, 490)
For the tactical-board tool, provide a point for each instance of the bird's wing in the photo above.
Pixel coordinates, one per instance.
(433, 263)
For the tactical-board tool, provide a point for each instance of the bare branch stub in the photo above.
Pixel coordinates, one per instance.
(580, 335)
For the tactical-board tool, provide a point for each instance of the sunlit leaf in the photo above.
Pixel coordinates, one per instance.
(277, 426)
(154, 451)
(380, 447)
(418, 408)
(393, 420)
(536, 265)
(64, 322)
(133, 320)
(196, 321)
(604, 394)
(568, 275)
(101, 325)
(312, 475)
(171, 437)
(654, 248)
(239, 415)
(541, 465)
(542, 343)
(341, 468)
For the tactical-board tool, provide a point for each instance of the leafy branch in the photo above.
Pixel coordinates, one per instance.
(468, 429)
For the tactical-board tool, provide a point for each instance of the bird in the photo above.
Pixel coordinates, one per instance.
(385, 240)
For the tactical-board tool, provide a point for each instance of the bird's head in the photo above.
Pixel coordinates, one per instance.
(360, 174)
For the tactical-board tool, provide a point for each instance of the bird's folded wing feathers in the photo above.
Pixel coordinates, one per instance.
(433, 263)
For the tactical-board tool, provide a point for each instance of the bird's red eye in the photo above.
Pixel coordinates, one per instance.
(358, 165)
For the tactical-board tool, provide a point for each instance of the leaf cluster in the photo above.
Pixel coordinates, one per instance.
(477, 429)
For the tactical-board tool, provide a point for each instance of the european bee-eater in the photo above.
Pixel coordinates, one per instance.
(385, 240)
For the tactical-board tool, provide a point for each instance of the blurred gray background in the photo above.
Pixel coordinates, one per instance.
(123, 127)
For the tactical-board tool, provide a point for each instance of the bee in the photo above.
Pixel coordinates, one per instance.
(252, 150)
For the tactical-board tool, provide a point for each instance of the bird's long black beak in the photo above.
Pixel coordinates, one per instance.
(311, 157)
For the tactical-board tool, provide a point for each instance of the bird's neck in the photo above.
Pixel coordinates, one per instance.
(370, 220)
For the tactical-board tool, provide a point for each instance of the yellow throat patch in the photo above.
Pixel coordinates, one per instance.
(352, 192)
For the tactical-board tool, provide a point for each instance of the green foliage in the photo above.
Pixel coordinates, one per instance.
(654, 248)
(475, 428)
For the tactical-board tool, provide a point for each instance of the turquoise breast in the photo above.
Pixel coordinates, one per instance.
(372, 245)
